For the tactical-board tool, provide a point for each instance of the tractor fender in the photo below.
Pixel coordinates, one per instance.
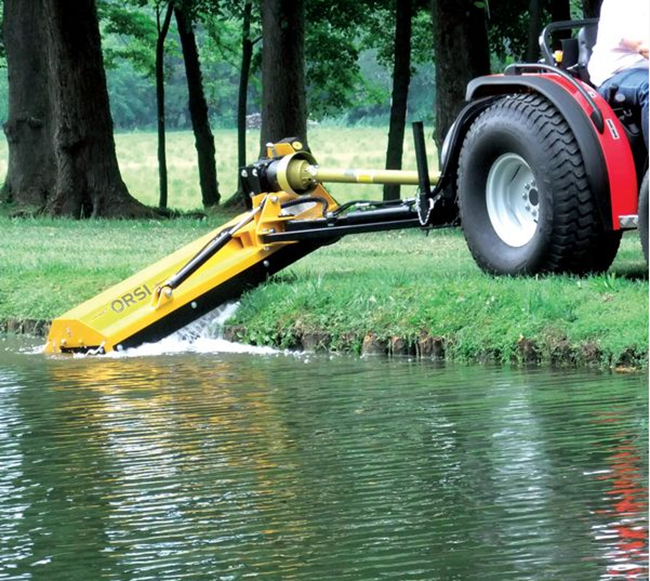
(600, 136)
(450, 151)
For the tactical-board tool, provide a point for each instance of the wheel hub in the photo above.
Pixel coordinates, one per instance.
(512, 200)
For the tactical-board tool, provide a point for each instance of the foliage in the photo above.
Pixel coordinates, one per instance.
(129, 34)
(333, 47)
(349, 57)
(221, 37)
(508, 29)
(379, 33)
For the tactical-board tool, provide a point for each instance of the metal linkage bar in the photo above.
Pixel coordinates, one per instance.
(356, 222)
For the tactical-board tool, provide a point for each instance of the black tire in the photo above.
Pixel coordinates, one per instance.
(643, 216)
(525, 203)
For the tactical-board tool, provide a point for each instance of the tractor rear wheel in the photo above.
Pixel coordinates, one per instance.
(523, 194)
(643, 216)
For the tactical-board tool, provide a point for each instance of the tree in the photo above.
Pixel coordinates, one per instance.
(591, 8)
(461, 54)
(60, 118)
(32, 167)
(198, 106)
(401, 80)
(132, 24)
(162, 29)
(338, 30)
(560, 10)
(284, 100)
(247, 45)
(535, 26)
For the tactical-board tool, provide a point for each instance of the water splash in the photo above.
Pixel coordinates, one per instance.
(205, 335)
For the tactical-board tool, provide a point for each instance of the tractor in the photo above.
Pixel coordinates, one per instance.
(541, 172)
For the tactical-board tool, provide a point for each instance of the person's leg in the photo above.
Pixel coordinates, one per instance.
(633, 85)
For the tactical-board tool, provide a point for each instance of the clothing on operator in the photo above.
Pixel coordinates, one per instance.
(620, 56)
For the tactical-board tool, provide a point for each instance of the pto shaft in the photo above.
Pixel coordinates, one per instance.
(294, 173)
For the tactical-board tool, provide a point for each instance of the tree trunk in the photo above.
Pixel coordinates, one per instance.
(401, 80)
(242, 102)
(60, 132)
(591, 8)
(560, 10)
(160, 101)
(284, 100)
(30, 174)
(535, 25)
(462, 53)
(203, 137)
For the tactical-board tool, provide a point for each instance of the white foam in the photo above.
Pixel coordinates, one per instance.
(205, 335)
(173, 344)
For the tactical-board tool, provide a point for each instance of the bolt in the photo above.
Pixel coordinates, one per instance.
(528, 207)
(266, 264)
(527, 186)
(274, 199)
(267, 248)
(244, 173)
(255, 172)
(168, 292)
(193, 304)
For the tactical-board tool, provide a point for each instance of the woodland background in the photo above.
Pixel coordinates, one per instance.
(78, 71)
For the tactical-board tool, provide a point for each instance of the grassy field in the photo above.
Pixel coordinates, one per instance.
(335, 147)
(332, 147)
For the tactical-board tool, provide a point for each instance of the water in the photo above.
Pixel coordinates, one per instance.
(197, 464)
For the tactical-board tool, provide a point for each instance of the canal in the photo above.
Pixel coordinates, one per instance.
(195, 461)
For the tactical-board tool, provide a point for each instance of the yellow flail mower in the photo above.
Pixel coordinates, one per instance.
(292, 215)
(542, 172)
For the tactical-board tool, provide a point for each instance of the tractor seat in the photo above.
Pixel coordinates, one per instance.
(577, 52)
(586, 42)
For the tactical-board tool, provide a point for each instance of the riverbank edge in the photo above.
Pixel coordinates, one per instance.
(552, 352)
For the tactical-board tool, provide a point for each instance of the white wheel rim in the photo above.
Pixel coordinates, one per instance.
(512, 200)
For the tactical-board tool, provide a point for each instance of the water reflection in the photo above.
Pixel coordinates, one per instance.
(623, 529)
(238, 467)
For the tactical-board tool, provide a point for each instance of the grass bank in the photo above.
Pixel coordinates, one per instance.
(397, 292)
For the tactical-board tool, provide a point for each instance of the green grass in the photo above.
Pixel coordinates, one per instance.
(48, 266)
(392, 284)
(405, 284)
